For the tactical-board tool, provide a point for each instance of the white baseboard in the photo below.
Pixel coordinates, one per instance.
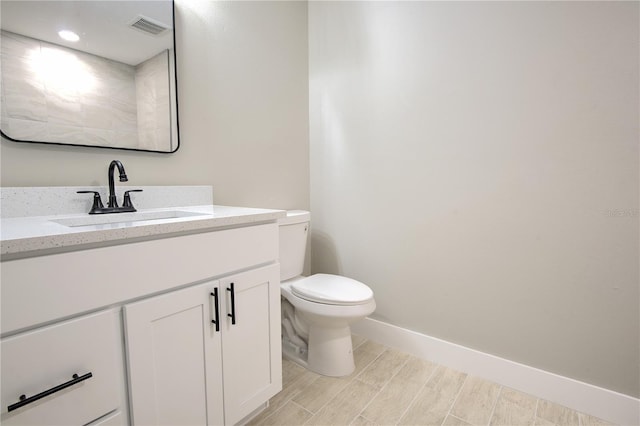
(603, 403)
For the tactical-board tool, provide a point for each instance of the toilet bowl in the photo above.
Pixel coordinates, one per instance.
(317, 311)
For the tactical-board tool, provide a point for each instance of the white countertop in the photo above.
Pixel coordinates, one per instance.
(39, 235)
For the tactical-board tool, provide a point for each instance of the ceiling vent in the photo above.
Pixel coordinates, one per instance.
(148, 26)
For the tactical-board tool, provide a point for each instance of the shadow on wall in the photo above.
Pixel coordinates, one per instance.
(324, 258)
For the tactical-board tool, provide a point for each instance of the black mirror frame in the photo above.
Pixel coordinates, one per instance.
(175, 75)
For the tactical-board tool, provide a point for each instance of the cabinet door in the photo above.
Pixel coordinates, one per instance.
(174, 359)
(251, 347)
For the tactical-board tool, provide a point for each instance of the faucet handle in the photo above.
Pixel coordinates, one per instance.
(97, 201)
(127, 198)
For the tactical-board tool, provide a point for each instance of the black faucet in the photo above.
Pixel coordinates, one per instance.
(112, 205)
(113, 202)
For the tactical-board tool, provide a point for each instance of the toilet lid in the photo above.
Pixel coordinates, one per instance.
(332, 290)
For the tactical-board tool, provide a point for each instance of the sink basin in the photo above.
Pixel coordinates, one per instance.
(120, 218)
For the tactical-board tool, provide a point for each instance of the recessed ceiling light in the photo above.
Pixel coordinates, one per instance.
(68, 35)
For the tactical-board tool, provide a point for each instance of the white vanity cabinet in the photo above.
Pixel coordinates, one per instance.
(138, 315)
(206, 354)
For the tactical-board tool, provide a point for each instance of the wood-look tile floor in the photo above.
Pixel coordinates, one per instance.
(389, 387)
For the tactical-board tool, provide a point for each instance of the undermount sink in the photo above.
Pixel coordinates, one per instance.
(119, 218)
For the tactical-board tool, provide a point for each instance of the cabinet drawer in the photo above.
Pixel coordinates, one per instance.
(45, 358)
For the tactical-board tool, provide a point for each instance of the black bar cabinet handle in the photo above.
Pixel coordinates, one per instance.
(24, 400)
(215, 303)
(233, 304)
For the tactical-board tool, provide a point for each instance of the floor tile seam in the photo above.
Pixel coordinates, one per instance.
(366, 366)
(333, 396)
(368, 402)
(300, 406)
(413, 400)
(298, 389)
(386, 383)
(313, 415)
(359, 344)
(294, 365)
(535, 411)
(330, 399)
(284, 402)
(264, 421)
(549, 421)
(456, 417)
(379, 391)
(276, 411)
(495, 404)
(397, 370)
(580, 415)
(365, 417)
(294, 394)
(466, 377)
(309, 420)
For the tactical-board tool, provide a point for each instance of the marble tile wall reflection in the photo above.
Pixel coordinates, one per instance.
(51, 93)
(154, 115)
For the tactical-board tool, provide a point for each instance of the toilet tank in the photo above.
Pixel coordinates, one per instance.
(293, 243)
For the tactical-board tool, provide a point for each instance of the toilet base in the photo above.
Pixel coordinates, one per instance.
(330, 351)
(295, 357)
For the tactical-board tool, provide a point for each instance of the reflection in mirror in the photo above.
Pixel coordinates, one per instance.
(115, 86)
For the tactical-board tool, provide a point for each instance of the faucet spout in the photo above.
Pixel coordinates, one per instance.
(113, 202)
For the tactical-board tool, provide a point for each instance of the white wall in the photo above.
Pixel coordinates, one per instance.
(476, 164)
(243, 94)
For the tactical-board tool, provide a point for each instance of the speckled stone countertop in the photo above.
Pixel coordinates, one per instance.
(41, 235)
(38, 221)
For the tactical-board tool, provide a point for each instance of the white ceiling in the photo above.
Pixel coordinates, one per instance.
(103, 25)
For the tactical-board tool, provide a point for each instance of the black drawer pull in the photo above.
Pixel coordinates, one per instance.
(233, 304)
(216, 321)
(24, 400)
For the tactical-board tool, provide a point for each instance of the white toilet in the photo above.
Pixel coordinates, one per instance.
(317, 311)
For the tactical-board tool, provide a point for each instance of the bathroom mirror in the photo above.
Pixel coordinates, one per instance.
(110, 83)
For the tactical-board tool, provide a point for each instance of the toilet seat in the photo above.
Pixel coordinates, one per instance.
(332, 290)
